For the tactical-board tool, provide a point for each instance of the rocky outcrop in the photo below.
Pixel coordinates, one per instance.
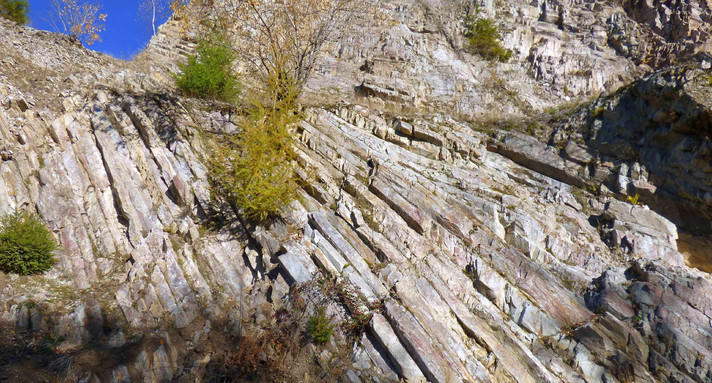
(409, 54)
(442, 253)
(656, 299)
(653, 139)
(678, 29)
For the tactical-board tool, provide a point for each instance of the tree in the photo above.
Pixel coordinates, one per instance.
(280, 40)
(153, 11)
(483, 36)
(254, 168)
(15, 10)
(79, 19)
(26, 245)
(209, 74)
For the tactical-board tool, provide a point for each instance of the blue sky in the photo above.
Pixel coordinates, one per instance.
(126, 32)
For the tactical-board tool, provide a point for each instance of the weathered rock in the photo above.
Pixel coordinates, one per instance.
(478, 255)
(398, 354)
(298, 266)
(657, 127)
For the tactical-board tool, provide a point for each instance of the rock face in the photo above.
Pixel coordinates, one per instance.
(678, 29)
(411, 53)
(653, 138)
(473, 256)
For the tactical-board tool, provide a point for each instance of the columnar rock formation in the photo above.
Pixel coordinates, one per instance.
(482, 254)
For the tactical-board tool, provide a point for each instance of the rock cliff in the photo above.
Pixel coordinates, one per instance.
(476, 250)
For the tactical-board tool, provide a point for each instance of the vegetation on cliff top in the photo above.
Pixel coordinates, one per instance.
(82, 20)
(15, 10)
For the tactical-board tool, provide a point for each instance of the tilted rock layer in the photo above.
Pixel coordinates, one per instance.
(481, 256)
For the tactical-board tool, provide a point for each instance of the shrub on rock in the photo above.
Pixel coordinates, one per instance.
(484, 39)
(26, 245)
(254, 168)
(319, 327)
(209, 74)
(15, 10)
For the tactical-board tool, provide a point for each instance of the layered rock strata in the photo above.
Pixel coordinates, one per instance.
(480, 256)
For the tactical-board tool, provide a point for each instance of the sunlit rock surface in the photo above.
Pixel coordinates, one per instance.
(484, 254)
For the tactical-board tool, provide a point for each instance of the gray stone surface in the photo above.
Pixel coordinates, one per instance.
(389, 340)
(298, 266)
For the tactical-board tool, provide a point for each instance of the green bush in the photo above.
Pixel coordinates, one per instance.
(26, 245)
(209, 74)
(254, 169)
(483, 38)
(319, 327)
(15, 10)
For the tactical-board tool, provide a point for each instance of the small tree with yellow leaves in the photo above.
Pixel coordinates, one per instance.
(79, 19)
(278, 42)
(254, 169)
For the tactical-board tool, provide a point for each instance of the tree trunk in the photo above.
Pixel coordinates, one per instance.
(153, 16)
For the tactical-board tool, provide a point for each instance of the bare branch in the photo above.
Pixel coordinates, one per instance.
(280, 40)
(79, 20)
